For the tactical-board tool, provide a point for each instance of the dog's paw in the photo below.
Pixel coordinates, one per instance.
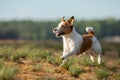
(61, 57)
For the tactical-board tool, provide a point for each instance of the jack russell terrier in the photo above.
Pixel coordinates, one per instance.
(74, 43)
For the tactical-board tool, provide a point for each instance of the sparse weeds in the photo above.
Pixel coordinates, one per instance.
(50, 59)
(118, 49)
(102, 74)
(7, 72)
(68, 63)
(117, 76)
(75, 71)
(102, 64)
(46, 78)
(6, 51)
(55, 60)
(45, 53)
(39, 53)
(119, 62)
(34, 55)
(85, 61)
(36, 68)
(18, 55)
(1, 63)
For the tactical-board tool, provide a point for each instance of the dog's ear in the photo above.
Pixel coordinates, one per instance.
(62, 19)
(71, 20)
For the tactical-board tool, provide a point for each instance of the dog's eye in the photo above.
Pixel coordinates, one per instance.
(63, 26)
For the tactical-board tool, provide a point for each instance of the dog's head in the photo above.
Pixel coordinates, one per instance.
(64, 27)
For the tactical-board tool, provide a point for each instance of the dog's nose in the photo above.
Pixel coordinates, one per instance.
(55, 29)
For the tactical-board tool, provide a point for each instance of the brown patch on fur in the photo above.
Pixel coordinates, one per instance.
(66, 27)
(63, 18)
(91, 34)
(71, 20)
(87, 42)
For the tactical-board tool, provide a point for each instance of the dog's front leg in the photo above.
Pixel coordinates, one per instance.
(63, 62)
(66, 55)
(65, 50)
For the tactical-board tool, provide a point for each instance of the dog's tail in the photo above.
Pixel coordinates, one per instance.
(90, 30)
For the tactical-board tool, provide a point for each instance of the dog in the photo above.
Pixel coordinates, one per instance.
(74, 43)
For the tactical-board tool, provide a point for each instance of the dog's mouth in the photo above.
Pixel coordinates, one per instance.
(57, 34)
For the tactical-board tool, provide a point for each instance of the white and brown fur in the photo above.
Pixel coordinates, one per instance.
(74, 43)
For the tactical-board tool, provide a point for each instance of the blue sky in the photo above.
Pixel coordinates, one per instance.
(55, 9)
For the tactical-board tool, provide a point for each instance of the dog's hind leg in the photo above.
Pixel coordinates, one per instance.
(97, 49)
(99, 58)
(92, 57)
(99, 54)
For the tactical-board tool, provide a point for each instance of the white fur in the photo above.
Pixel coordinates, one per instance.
(89, 29)
(70, 44)
(92, 58)
(73, 41)
(96, 48)
(59, 26)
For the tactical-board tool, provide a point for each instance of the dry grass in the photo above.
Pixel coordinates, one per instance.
(33, 60)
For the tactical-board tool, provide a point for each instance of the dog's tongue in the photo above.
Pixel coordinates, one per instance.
(57, 34)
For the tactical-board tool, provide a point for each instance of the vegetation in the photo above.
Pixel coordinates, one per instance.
(75, 71)
(33, 54)
(102, 74)
(7, 72)
(35, 60)
(42, 30)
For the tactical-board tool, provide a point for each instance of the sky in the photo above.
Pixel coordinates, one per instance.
(55, 9)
